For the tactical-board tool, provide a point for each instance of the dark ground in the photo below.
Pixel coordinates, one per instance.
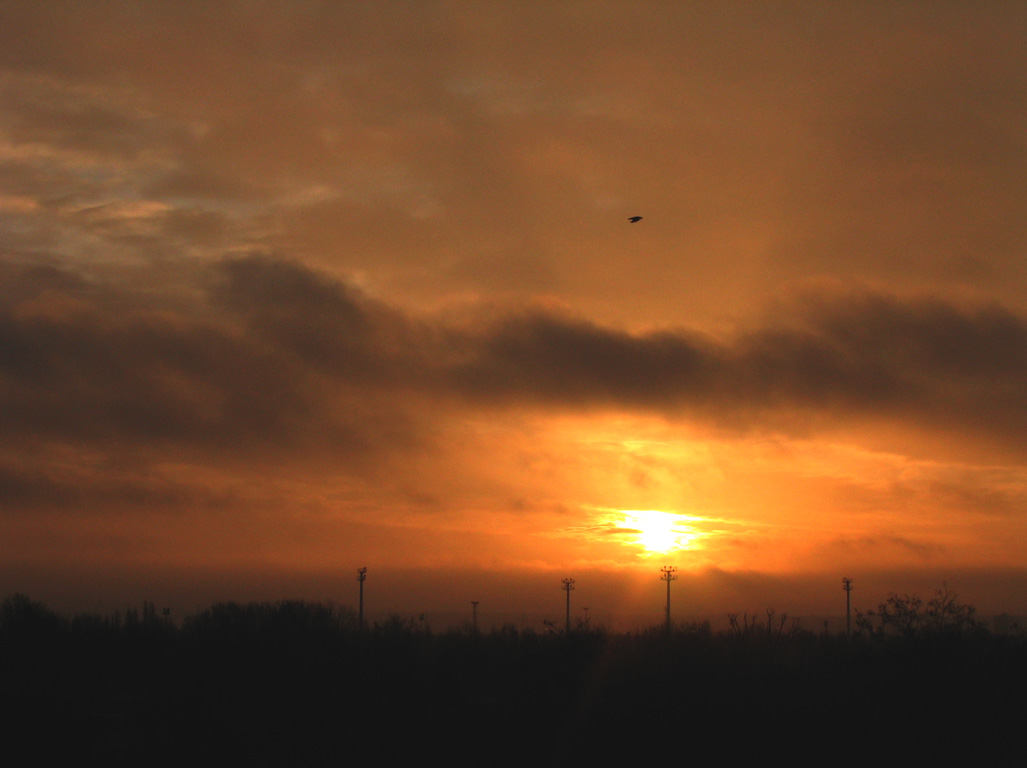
(300, 683)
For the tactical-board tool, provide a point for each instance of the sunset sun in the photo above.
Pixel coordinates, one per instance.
(657, 532)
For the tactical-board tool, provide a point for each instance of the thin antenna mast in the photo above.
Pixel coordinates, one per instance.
(361, 576)
(668, 576)
(847, 586)
(568, 585)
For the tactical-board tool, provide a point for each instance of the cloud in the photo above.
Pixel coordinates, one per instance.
(443, 149)
(31, 485)
(86, 365)
(283, 357)
(838, 356)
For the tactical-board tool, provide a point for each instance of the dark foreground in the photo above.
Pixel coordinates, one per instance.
(298, 683)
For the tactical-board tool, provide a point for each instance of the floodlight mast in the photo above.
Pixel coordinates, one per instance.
(668, 576)
(568, 585)
(847, 586)
(474, 615)
(361, 576)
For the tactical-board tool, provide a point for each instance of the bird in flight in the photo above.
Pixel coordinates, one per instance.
(633, 219)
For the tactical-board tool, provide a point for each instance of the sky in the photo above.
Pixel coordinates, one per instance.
(292, 288)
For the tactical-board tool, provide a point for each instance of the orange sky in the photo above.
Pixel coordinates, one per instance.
(287, 288)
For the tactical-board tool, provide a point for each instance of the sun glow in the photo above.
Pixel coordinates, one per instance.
(657, 532)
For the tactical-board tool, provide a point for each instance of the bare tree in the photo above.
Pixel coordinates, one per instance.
(909, 616)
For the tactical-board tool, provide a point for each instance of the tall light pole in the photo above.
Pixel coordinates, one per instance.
(361, 576)
(474, 615)
(847, 586)
(568, 585)
(668, 576)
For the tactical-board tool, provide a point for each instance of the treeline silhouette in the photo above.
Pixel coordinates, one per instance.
(270, 683)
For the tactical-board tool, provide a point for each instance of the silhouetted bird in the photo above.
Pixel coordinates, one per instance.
(633, 219)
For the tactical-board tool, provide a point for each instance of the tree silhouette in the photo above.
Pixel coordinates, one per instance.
(908, 616)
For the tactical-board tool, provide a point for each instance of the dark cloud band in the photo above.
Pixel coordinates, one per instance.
(277, 351)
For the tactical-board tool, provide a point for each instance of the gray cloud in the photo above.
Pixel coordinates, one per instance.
(846, 356)
(75, 367)
(446, 149)
(281, 356)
